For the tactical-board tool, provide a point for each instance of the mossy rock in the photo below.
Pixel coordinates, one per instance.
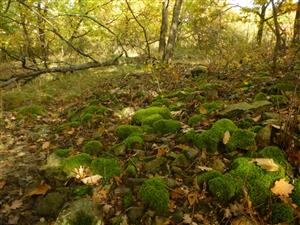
(196, 119)
(82, 191)
(132, 141)
(296, 192)
(82, 218)
(125, 131)
(87, 117)
(246, 123)
(106, 167)
(62, 152)
(260, 97)
(142, 114)
(223, 188)
(160, 102)
(68, 125)
(93, 147)
(276, 154)
(181, 161)
(206, 176)
(152, 119)
(165, 126)
(279, 100)
(72, 162)
(212, 107)
(282, 213)
(131, 171)
(242, 139)
(154, 165)
(154, 193)
(128, 200)
(31, 111)
(50, 204)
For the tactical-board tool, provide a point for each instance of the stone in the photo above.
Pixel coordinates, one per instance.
(154, 165)
(263, 137)
(50, 205)
(135, 214)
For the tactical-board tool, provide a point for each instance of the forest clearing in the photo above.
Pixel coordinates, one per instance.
(149, 112)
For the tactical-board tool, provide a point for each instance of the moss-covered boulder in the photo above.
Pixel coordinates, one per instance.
(106, 167)
(72, 162)
(196, 119)
(165, 126)
(242, 139)
(125, 131)
(93, 147)
(50, 204)
(206, 176)
(260, 96)
(296, 192)
(223, 188)
(279, 99)
(282, 213)
(63, 152)
(133, 141)
(31, 111)
(276, 154)
(142, 114)
(154, 193)
(152, 119)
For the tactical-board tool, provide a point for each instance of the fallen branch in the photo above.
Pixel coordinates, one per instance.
(33, 74)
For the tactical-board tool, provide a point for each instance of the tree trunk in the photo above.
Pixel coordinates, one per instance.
(296, 36)
(262, 20)
(173, 32)
(42, 34)
(164, 27)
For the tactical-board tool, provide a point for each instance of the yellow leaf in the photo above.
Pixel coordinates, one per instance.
(192, 198)
(266, 164)
(39, 190)
(202, 110)
(46, 145)
(282, 188)
(226, 137)
(16, 204)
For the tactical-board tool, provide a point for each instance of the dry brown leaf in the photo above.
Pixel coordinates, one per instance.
(202, 110)
(257, 118)
(2, 183)
(282, 188)
(161, 152)
(16, 204)
(266, 164)
(193, 198)
(42, 189)
(226, 137)
(46, 145)
(95, 179)
(204, 168)
(80, 141)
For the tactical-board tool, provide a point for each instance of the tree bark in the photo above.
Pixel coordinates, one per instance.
(173, 32)
(164, 27)
(262, 20)
(296, 36)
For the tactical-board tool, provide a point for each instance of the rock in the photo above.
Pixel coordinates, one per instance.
(218, 165)
(199, 70)
(50, 205)
(263, 137)
(190, 153)
(82, 211)
(135, 214)
(181, 161)
(119, 149)
(53, 161)
(154, 165)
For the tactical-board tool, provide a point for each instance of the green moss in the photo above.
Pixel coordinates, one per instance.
(50, 204)
(260, 97)
(63, 152)
(223, 188)
(176, 106)
(93, 147)
(131, 171)
(125, 131)
(196, 119)
(151, 119)
(212, 106)
(242, 139)
(246, 123)
(180, 161)
(166, 126)
(282, 213)
(223, 125)
(276, 154)
(206, 176)
(154, 193)
(160, 102)
(296, 192)
(106, 167)
(87, 117)
(82, 218)
(81, 191)
(72, 162)
(128, 200)
(68, 125)
(279, 99)
(31, 111)
(142, 114)
(132, 141)
(256, 128)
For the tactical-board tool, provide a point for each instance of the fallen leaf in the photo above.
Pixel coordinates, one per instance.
(226, 137)
(266, 164)
(202, 110)
(80, 172)
(16, 204)
(187, 219)
(42, 189)
(257, 118)
(79, 141)
(282, 188)
(161, 152)
(13, 219)
(2, 184)
(46, 145)
(204, 168)
(171, 206)
(92, 179)
(192, 198)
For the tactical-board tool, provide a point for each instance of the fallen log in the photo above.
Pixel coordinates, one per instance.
(26, 77)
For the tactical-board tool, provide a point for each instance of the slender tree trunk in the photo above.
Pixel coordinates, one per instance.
(296, 37)
(42, 33)
(278, 43)
(173, 32)
(164, 27)
(262, 20)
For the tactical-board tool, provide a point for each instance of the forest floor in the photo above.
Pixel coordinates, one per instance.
(39, 184)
